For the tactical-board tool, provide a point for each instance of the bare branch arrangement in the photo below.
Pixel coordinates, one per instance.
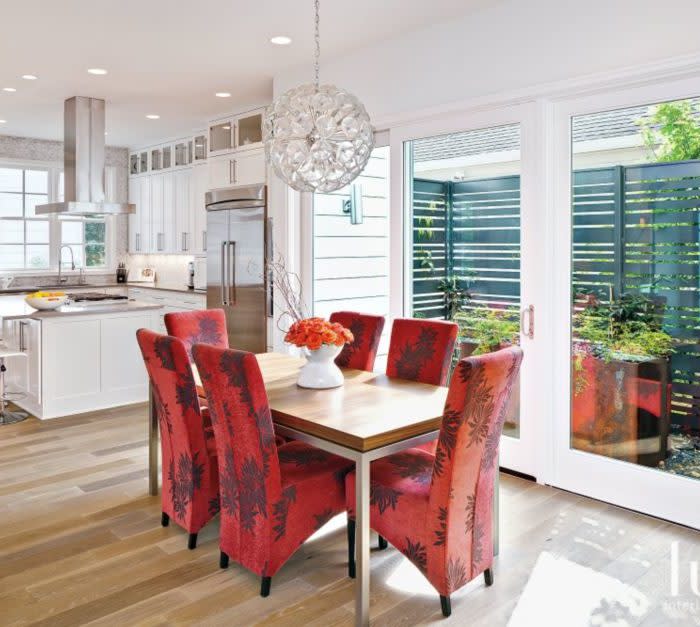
(287, 291)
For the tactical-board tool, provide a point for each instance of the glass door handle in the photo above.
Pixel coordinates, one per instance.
(528, 314)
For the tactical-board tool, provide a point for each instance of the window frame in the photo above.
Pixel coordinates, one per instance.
(54, 171)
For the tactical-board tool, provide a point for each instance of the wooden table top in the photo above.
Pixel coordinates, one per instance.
(370, 410)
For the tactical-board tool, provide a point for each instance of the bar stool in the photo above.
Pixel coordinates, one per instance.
(8, 417)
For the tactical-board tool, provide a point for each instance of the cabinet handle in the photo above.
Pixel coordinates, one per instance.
(138, 241)
(528, 312)
(204, 241)
(22, 345)
(183, 241)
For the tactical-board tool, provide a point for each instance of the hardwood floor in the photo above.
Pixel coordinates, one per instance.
(80, 542)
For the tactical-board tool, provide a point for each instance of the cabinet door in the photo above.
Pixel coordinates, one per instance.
(31, 336)
(169, 239)
(198, 188)
(221, 137)
(248, 130)
(157, 214)
(220, 171)
(143, 210)
(183, 212)
(249, 168)
(135, 218)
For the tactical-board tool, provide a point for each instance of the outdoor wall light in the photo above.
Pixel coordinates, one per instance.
(353, 205)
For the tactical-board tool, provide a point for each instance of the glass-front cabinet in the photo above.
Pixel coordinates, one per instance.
(221, 137)
(199, 148)
(249, 131)
(240, 132)
(182, 153)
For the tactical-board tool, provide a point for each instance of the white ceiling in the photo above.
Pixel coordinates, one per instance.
(169, 57)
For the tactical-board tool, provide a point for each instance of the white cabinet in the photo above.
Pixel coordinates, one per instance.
(140, 221)
(199, 185)
(170, 301)
(184, 218)
(162, 213)
(246, 168)
(237, 132)
(24, 373)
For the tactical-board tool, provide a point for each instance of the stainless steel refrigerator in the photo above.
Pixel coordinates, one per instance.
(238, 242)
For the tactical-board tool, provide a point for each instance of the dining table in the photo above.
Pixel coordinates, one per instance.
(370, 416)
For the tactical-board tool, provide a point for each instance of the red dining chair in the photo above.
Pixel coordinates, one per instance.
(272, 499)
(361, 353)
(421, 350)
(190, 476)
(203, 326)
(437, 509)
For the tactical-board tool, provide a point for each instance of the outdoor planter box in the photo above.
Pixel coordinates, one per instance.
(621, 409)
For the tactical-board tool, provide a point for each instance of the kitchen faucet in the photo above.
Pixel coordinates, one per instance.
(72, 262)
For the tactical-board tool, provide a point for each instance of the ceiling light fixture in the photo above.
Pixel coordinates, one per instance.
(281, 40)
(10, 89)
(97, 71)
(317, 137)
(29, 77)
(3, 121)
(153, 116)
(222, 94)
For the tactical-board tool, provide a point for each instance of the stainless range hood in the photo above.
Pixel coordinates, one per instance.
(84, 162)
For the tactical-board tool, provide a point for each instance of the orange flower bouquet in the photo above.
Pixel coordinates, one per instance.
(312, 333)
(321, 341)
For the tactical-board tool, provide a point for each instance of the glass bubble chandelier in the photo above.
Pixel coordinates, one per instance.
(318, 138)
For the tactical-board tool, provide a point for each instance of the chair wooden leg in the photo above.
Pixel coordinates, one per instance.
(164, 519)
(446, 606)
(265, 586)
(192, 541)
(223, 560)
(382, 543)
(488, 576)
(351, 548)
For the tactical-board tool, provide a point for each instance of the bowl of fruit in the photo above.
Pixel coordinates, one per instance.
(46, 300)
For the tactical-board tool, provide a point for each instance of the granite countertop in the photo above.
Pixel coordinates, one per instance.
(22, 310)
(28, 289)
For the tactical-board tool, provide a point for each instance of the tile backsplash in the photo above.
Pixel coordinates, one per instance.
(171, 270)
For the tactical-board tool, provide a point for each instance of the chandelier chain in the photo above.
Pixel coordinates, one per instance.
(317, 39)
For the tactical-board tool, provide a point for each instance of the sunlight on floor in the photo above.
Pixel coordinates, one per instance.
(566, 593)
(338, 522)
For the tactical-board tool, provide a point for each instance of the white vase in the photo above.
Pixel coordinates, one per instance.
(320, 372)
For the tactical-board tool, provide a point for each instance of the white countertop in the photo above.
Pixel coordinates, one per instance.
(20, 309)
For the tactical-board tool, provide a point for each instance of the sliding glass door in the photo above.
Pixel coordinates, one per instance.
(628, 432)
(467, 202)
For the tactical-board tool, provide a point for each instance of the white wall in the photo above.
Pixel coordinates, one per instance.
(511, 45)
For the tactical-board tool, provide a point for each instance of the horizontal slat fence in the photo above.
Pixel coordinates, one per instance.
(635, 229)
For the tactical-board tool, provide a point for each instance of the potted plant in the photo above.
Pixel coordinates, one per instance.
(621, 375)
(455, 296)
(482, 330)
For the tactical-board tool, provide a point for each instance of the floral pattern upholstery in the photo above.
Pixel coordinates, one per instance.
(272, 499)
(421, 350)
(437, 509)
(190, 475)
(204, 326)
(367, 331)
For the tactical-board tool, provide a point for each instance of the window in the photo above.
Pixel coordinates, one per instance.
(31, 242)
(24, 237)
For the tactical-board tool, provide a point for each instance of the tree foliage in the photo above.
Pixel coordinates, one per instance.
(671, 131)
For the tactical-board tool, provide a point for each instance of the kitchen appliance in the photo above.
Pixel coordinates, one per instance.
(84, 162)
(200, 274)
(122, 273)
(238, 242)
(96, 297)
(190, 274)
(143, 275)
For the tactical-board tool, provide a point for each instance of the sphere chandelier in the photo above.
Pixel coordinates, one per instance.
(317, 137)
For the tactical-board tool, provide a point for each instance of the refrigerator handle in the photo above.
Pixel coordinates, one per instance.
(269, 255)
(224, 273)
(232, 273)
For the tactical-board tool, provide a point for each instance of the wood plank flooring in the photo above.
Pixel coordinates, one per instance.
(81, 543)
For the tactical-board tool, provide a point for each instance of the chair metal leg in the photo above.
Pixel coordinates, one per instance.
(265, 586)
(164, 519)
(351, 548)
(446, 606)
(488, 576)
(223, 560)
(192, 541)
(382, 543)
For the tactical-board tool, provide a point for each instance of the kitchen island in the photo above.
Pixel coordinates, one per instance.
(77, 358)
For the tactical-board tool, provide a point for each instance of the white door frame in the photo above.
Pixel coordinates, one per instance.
(517, 454)
(640, 488)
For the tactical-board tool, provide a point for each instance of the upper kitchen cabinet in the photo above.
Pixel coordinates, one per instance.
(199, 148)
(246, 168)
(239, 132)
(138, 163)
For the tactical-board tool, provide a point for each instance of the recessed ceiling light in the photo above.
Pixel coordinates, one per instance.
(9, 89)
(97, 70)
(3, 121)
(153, 116)
(29, 77)
(281, 40)
(222, 94)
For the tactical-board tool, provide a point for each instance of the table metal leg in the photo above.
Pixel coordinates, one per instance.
(152, 444)
(362, 541)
